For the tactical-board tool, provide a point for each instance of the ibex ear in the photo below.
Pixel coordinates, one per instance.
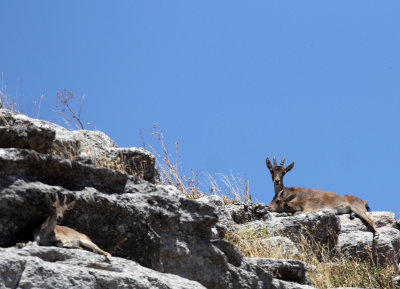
(48, 199)
(289, 167)
(291, 197)
(70, 205)
(268, 162)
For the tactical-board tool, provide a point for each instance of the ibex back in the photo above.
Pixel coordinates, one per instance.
(340, 204)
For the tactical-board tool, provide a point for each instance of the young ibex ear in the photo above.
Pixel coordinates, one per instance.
(289, 167)
(49, 199)
(268, 162)
(291, 197)
(70, 205)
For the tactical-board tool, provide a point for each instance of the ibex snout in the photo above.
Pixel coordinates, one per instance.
(277, 181)
(59, 219)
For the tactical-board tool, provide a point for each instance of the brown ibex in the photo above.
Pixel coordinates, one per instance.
(278, 172)
(340, 204)
(50, 233)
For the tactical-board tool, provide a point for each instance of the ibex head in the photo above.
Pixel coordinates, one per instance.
(278, 172)
(59, 208)
(281, 204)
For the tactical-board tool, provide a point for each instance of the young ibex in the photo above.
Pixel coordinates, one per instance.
(278, 172)
(340, 204)
(50, 233)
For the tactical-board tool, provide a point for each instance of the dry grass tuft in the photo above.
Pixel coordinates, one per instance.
(73, 150)
(230, 188)
(6, 100)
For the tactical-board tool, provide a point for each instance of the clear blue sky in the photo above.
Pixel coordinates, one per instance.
(232, 81)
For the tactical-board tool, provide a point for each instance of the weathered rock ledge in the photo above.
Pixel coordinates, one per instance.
(158, 238)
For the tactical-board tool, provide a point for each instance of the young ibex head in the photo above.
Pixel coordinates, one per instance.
(277, 172)
(59, 208)
(281, 204)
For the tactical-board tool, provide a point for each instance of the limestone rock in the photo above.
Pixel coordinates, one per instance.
(53, 170)
(153, 227)
(136, 161)
(86, 146)
(381, 219)
(280, 284)
(287, 270)
(356, 238)
(362, 245)
(321, 226)
(246, 212)
(20, 136)
(282, 244)
(52, 267)
(225, 222)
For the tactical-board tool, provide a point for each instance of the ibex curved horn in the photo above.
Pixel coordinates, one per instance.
(283, 160)
(274, 161)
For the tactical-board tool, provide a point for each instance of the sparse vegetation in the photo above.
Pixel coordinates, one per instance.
(329, 269)
(63, 102)
(230, 188)
(6, 100)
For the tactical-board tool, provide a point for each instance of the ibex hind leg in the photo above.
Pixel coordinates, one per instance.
(365, 217)
(94, 247)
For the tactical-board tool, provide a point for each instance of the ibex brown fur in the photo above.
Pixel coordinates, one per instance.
(278, 172)
(50, 233)
(340, 204)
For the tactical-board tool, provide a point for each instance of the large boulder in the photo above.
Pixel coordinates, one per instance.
(321, 227)
(153, 225)
(357, 240)
(51, 267)
(53, 170)
(90, 147)
(287, 270)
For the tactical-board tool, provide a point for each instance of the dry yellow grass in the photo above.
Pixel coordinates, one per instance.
(329, 270)
(231, 188)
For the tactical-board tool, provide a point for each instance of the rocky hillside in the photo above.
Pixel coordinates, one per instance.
(157, 237)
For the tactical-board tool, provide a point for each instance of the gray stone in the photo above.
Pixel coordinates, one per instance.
(232, 252)
(136, 161)
(53, 170)
(87, 146)
(280, 284)
(246, 212)
(321, 227)
(361, 245)
(283, 269)
(283, 244)
(225, 222)
(155, 228)
(52, 267)
(38, 139)
(381, 220)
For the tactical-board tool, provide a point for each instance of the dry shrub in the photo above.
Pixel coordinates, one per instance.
(230, 188)
(6, 100)
(63, 104)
